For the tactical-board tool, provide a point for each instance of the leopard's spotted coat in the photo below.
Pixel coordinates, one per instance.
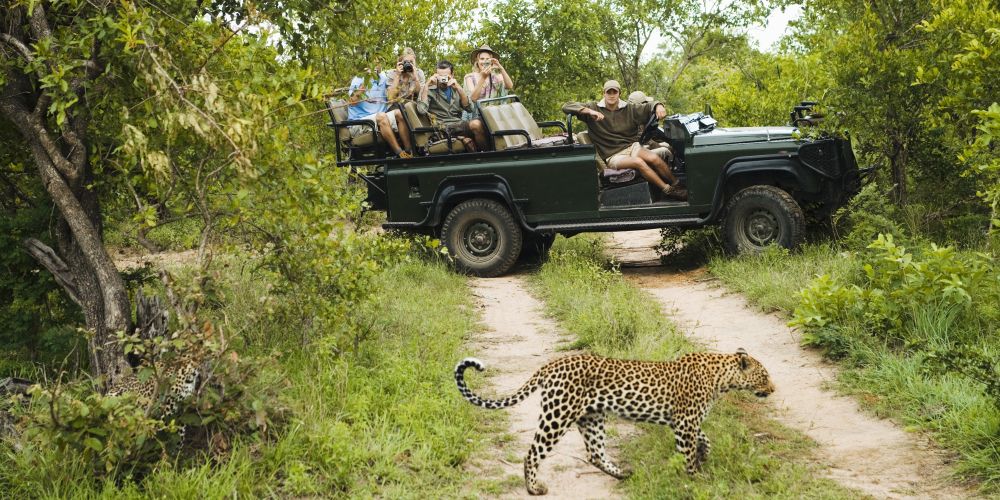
(582, 389)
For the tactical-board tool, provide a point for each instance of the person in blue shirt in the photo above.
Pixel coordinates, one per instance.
(368, 101)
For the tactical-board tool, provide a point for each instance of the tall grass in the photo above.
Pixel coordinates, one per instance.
(379, 420)
(751, 454)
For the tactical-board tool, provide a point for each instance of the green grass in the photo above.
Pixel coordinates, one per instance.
(382, 421)
(889, 378)
(771, 280)
(752, 456)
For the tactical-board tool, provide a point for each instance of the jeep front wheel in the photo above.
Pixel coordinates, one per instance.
(759, 216)
(483, 237)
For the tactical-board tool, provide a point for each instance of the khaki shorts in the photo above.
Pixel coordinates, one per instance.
(629, 152)
(357, 130)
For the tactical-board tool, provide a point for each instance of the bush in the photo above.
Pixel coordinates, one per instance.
(867, 215)
(898, 285)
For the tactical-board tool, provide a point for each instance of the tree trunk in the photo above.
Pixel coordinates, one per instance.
(80, 262)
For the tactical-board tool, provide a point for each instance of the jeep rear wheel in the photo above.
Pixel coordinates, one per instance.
(483, 237)
(759, 216)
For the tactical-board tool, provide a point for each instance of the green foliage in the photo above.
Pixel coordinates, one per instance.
(947, 303)
(546, 46)
(107, 437)
(34, 312)
(984, 163)
(898, 285)
(381, 419)
(972, 362)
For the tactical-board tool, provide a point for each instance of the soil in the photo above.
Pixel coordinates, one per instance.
(519, 339)
(856, 449)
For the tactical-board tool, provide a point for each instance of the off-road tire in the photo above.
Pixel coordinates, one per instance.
(483, 237)
(759, 216)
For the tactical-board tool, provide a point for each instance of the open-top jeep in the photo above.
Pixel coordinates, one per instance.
(491, 207)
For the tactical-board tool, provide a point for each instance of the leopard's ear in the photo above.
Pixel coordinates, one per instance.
(744, 358)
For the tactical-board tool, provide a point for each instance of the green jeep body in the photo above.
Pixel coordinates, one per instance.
(489, 207)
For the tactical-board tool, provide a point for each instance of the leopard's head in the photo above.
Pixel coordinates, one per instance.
(750, 375)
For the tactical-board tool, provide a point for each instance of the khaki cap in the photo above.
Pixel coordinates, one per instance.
(637, 96)
(612, 84)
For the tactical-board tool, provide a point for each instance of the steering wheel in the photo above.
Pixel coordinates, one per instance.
(652, 127)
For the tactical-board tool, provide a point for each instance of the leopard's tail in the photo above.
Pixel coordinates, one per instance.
(492, 404)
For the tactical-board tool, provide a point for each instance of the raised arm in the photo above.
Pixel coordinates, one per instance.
(582, 111)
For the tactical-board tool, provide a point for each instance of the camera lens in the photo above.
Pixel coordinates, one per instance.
(407, 66)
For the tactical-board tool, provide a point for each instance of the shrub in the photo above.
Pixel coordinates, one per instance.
(897, 284)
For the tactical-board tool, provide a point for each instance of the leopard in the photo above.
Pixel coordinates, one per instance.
(583, 389)
(182, 373)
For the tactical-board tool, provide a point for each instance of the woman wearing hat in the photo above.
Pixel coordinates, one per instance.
(488, 78)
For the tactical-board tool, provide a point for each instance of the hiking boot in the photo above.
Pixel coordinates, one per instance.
(676, 193)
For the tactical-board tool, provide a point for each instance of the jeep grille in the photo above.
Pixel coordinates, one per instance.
(821, 156)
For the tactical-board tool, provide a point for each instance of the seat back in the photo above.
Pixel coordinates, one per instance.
(582, 137)
(417, 120)
(337, 108)
(527, 121)
(501, 117)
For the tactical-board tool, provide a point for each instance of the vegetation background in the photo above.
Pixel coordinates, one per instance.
(199, 125)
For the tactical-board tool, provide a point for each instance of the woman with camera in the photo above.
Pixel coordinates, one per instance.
(405, 80)
(488, 78)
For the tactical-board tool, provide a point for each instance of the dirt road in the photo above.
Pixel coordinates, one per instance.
(519, 340)
(862, 452)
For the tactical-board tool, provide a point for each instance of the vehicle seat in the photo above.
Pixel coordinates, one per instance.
(499, 117)
(514, 116)
(423, 131)
(337, 108)
(528, 123)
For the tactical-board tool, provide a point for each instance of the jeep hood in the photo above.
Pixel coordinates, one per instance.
(735, 135)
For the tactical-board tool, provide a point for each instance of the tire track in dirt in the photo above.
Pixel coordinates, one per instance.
(519, 340)
(862, 452)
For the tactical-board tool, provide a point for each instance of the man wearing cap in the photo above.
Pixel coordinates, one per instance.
(488, 78)
(614, 129)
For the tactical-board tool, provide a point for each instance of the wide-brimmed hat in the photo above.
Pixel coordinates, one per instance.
(483, 48)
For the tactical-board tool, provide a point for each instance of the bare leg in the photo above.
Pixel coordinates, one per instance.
(387, 133)
(658, 164)
(404, 130)
(476, 126)
(644, 170)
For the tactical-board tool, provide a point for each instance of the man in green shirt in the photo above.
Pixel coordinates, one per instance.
(614, 124)
(445, 99)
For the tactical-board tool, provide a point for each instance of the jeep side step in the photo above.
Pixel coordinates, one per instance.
(619, 224)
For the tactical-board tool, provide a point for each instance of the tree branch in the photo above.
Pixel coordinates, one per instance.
(14, 42)
(48, 258)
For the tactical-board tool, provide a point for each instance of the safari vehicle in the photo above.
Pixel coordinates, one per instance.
(491, 207)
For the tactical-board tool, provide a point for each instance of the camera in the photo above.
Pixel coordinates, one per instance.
(407, 67)
(443, 81)
(487, 64)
